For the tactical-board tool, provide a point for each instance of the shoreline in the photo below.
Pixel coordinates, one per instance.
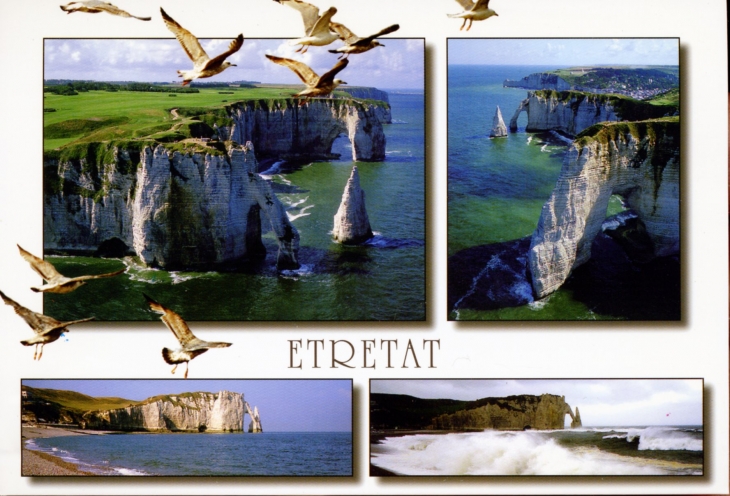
(39, 463)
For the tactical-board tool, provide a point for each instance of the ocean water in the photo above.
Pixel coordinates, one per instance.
(381, 280)
(265, 454)
(641, 450)
(496, 190)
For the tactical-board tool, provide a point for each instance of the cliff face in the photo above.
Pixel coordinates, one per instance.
(283, 129)
(195, 412)
(640, 162)
(539, 81)
(543, 412)
(571, 112)
(174, 209)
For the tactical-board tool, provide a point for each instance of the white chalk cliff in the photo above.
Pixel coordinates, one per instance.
(172, 208)
(638, 161)
(192, 412)
(498, 127)
(352, 225)
(571, 112)
(283, 129)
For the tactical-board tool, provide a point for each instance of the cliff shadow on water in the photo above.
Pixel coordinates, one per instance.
(494, 282)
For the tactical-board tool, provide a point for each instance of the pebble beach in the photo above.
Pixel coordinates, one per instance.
(36, 463)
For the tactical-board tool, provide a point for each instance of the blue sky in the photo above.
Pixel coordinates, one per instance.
(397, 65)
(284, 405)
(564, 51)
(602, 402)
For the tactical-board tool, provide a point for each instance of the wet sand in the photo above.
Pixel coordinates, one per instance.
(37, 463)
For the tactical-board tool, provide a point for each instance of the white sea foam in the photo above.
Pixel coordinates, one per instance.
(560, 137)
(397, 121)
(302, 213)
(664, 438)
(529, 139)
(294, 203)
(274, 169)
(500, 453)
(129, 471)
(303, 270)
(544, 148)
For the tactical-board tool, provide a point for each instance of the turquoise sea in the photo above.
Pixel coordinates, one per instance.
(381, 280)
(265, 454)
(496, 189)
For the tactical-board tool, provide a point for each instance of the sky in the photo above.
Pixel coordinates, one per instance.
(397, 65)
(284, 405)
(564, 52)
(602, 402)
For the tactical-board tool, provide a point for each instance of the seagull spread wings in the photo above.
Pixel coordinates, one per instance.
(192, 46)
(55, 279)
(96, 6)
(352, 39)
(175, 323)
(313, 22)
(305, 73)
(41, 324)
(471, 5)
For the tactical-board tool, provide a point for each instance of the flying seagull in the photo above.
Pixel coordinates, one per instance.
(316, 85)
(46, 329)
(355, 44)
(203, 66)
(190, 345)
(57, 282)
(316, 28)
(474, 11)
(96, 6)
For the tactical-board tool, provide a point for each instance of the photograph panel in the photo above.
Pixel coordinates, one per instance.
(563, 179)
(536, 427)
(248, 195)
(197, 428)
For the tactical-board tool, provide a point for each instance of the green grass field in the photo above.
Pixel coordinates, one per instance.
(78, 402)
(103, 116)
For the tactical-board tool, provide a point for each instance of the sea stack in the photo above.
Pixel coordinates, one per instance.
(498, 127)
(352, 225)
(576, 420)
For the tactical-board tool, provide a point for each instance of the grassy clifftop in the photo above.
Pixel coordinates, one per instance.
(627, 108)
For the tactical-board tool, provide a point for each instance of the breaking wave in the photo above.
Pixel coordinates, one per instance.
(504, 453)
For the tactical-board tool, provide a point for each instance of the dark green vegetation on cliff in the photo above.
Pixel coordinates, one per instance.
(55, 405)
(655, 129)
(397, 411)
(627, 108)
(631, 78)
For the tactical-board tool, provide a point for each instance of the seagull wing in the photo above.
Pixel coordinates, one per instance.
(329, 76)
(41, 324)
(173, 322)
(345, 34)
(98, 276)
(310, 13)
(481, 4)
(322, 26)
(366, 41)
(232, 48)
(43, 268)
(307, 75)
(189, 42)
(113, 9)
(466, 4)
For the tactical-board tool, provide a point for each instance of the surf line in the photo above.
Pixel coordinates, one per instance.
(337, 353)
